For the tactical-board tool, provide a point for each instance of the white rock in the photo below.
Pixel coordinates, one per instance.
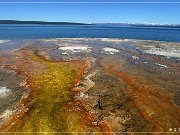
(4, 91)
(108, 50)
(113, 40)
(162, 52)
(135, 57)
(161, 65)
(75, 49)
(83, 95)
(6, 114)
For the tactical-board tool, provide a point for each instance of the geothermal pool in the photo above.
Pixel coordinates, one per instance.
(89, 85)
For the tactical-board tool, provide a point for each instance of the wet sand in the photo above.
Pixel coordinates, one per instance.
(90, 86)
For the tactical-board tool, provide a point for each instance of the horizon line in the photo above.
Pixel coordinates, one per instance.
(89, 2)
(129, 23)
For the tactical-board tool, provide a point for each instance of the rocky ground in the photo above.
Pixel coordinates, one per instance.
(102, 85)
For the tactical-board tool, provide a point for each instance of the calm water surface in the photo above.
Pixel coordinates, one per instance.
(91, 31)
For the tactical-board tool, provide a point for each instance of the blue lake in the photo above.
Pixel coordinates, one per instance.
(90, 31)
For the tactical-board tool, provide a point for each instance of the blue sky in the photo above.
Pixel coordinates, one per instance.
(163, 13)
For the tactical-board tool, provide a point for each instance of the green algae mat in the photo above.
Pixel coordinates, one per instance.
(52, 107)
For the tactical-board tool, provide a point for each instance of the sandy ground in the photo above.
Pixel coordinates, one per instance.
(129, 85)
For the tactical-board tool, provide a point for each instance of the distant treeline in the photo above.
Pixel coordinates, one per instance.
(73, 23)
(39, 22)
